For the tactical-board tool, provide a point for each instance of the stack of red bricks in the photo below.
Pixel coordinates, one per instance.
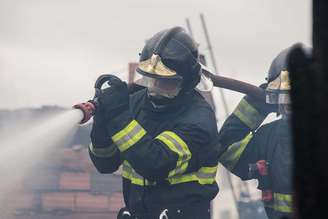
(69, 187)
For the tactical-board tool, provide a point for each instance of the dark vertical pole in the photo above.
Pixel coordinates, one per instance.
(309, 78)
(224, 102)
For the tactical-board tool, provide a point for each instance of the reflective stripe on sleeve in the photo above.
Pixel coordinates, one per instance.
(177, 145)
(232, 155)
(248, 114)
(205, 175)
(129, 136)
(282, 202)
(103, 152)
(130, 174)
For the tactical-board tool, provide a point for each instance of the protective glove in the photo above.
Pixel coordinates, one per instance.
(113, 100)
(98, 135)
(260, 104)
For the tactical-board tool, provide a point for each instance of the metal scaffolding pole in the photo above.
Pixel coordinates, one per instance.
(209, 46)
(224, 102)
(189, 28)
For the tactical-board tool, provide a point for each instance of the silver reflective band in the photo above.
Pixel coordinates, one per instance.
(281, 203)
(277, 97)
(129, 173)
(284, 99)
(185, 154)
(248, 114)
(129, 136)
(205, 175)
(178, 146)
(126, 138)
(232, 155)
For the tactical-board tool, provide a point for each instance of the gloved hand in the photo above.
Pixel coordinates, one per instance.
(98, 135)
(113, 100)
(260, 104)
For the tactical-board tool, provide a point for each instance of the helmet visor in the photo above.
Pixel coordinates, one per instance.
(169, 88)
(277, 91)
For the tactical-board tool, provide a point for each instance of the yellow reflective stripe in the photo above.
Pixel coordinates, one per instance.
(205, 175)
(248, 114)
(209, 169)
(129, 173)
(282, 202)
(103, 152)
(177, 145)
(232, 155)
(125, 131)
(128, 136)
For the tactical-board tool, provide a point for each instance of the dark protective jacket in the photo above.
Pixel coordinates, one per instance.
(246, 143)
(169, 157)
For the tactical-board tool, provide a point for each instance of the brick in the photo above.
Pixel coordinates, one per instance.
(105, 183)
(74, 181)
(42, 180)
(116, 202)
(91, 203)
(58, 201)
(23, 200)
(73, 159)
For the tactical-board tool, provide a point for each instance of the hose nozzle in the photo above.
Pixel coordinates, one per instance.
(88, 110)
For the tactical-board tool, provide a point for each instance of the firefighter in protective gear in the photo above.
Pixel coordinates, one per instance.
(164, 136)
(263, 152)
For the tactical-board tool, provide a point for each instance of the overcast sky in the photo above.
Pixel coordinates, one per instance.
(51, 51)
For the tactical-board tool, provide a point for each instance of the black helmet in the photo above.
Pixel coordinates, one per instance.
(171, 54)
(277, 91)
(279, 64)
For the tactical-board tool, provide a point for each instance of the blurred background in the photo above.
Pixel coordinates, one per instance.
(51, 53)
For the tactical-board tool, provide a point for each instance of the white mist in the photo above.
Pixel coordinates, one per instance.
(23, 149)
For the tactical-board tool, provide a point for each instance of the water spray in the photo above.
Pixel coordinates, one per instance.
(22, 150)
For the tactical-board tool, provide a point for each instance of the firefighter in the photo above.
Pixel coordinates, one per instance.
(263, 152)
(164, 136)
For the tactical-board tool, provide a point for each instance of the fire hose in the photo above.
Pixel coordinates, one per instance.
(234, 85)
(88, 108)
